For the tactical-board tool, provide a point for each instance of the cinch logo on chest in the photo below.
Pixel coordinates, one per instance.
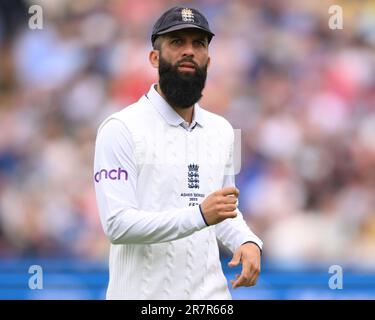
(193, 176)
(114, 174)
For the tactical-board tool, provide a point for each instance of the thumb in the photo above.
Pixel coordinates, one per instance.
(236, 258)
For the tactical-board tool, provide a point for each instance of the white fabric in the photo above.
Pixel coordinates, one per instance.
(161, 247)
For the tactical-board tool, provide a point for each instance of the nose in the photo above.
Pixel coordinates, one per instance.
(188, 50)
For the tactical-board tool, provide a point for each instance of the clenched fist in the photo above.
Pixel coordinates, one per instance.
(220, 205)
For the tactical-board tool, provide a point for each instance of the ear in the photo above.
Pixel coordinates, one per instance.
(154, 58)
(208, 61)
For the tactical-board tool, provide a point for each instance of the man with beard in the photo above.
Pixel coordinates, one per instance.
(164, 180)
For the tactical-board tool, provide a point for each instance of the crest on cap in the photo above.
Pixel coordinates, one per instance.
(187, 15)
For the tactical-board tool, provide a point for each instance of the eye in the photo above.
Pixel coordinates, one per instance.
(176, 41)
(200, 43)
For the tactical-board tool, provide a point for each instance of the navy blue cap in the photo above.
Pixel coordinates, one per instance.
(178, 18)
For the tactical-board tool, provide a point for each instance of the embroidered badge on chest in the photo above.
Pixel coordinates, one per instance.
(193, 176)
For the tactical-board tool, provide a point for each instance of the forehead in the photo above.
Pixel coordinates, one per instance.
(189, 32)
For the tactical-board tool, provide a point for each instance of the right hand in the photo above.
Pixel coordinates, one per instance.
(220, 205)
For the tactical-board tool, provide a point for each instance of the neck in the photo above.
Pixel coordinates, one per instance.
(184, 113)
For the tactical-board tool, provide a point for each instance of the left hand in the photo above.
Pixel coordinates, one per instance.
(249, 255)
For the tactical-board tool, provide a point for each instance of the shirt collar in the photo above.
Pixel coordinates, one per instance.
(169, 114)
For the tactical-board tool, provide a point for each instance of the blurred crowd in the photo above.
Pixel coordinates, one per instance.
(302, 94)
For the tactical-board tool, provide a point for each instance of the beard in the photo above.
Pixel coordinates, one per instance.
(181, 89)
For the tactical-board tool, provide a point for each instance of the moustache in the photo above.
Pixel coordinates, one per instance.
(187, 62)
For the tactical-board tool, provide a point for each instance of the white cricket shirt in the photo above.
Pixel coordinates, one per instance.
(151, 172)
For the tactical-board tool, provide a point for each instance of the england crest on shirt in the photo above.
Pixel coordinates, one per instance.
(193, 176)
